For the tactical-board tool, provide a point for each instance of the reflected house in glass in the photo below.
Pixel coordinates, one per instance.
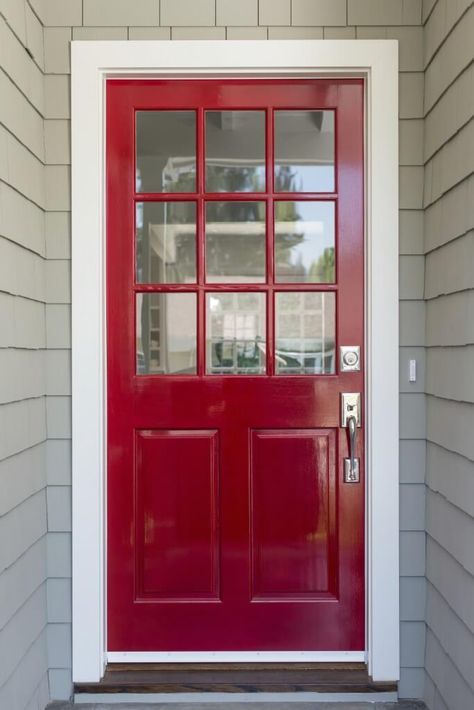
(166, 333)
(235, 333)
(305, 327)
(165, 151)
(304, 151)
(235, 151)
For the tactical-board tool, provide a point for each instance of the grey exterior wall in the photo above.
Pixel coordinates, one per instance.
(23, 363)
(449, 284)
(243, 19)
(436, 216)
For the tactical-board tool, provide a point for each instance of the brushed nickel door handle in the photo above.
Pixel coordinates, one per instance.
(350, 419)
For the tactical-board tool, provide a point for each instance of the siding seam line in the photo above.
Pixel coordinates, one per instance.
(437, 543)
(450, 451)
(435, 686)
(447, 500)
(471, 688)
(43, 630)
(429, 14)
(35, 13)
(467, 289)
(21, 92)
(27, 448)
(22, 246)
(448, 140)
(20, 349)
(447, 36)
(26, 298)
(17, 140)
(25, 552)
(18, 505)
(445, 245)
(23, 46)
(23, 604)
(445, 91)
(44, 676)
(25, 197)
(450, 188)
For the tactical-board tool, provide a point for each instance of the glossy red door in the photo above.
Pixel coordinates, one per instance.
(230, 526)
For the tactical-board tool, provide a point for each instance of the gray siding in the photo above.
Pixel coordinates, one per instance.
(251, 19)
(449, 293)
(436, 313)
(23, 375)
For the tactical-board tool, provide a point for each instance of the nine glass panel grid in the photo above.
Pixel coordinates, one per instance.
(237, 227)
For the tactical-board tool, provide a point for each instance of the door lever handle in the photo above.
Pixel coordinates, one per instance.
(351, 419)
(352, 426)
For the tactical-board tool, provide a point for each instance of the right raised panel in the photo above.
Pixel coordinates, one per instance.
(293, 503)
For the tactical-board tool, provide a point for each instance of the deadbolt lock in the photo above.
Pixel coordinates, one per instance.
(349, 358)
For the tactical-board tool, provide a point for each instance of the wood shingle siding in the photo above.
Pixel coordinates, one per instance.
(449, 293)
(23, 428)
(278, 19)
(436, 313)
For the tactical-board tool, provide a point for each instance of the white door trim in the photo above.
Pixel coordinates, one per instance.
(92, 64)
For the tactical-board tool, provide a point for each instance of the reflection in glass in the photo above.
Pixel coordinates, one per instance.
(166, 242)
(304, 242)
(166, 333)
(305, 335)
(235, 151)
(235, 242)
(166, 151)
(304, 151)
(235, 333)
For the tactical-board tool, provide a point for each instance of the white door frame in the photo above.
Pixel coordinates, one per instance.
(92, 63)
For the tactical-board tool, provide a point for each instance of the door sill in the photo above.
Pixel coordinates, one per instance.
(236, 657)
(171, 678)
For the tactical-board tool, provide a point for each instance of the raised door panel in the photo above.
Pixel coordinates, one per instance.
(177, 513)
(293, 514)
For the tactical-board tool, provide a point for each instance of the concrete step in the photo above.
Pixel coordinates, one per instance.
(402, 705)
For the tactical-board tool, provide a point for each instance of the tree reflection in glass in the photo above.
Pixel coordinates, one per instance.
(304, 242)
(235, 151)
(304, 150)
(235, 242)
(165, 249)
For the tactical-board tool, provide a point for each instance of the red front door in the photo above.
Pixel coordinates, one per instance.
(234, 276)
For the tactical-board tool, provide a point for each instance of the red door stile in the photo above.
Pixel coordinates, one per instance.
(214, 481)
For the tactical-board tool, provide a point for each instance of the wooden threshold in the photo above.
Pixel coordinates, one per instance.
(236, 678)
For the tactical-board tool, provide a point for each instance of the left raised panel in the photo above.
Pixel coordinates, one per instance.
(177, 515)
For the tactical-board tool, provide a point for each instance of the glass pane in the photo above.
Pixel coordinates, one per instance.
(235, 151)
(166, 333)
(304, 242)
(304, 151)
(305, 333)
(235, 242)
(166, 151)
(166, 242)
(235, 333)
